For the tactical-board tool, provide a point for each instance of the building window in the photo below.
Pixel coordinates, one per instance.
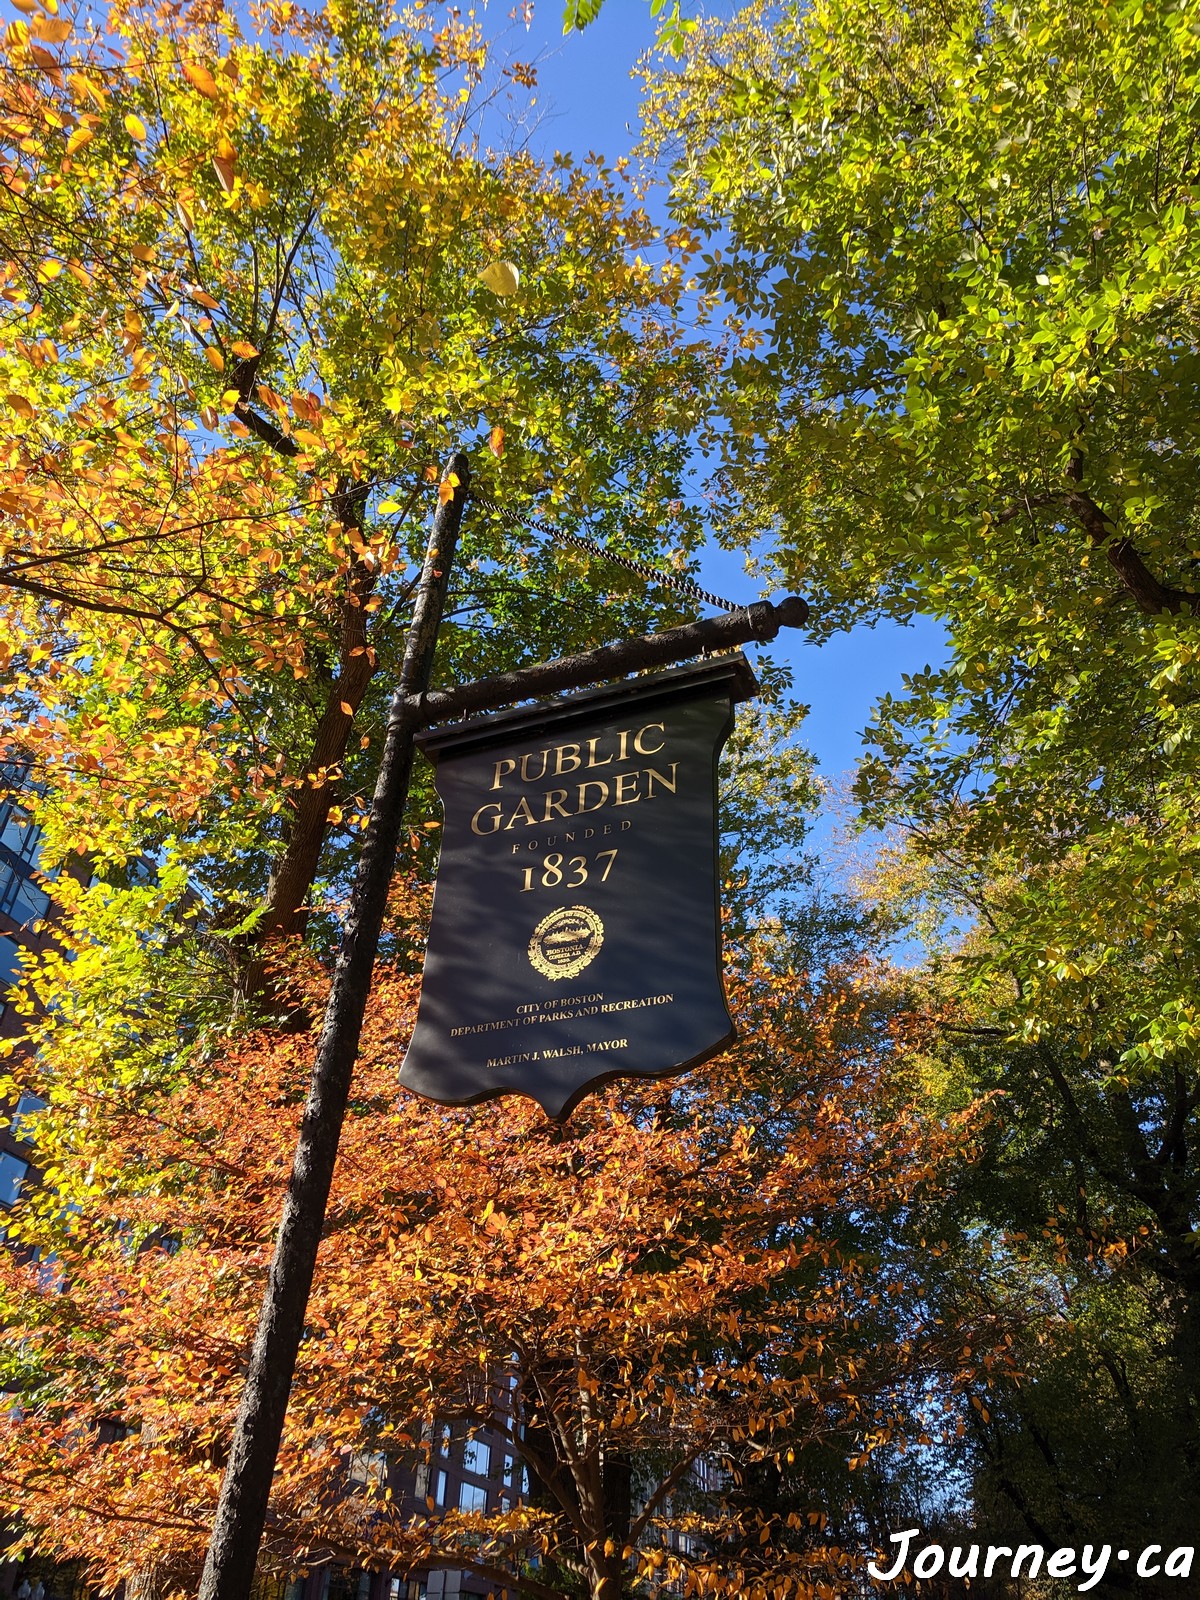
(368, 1469)
(19, 832)
(12, 1171)
(477, 1457)
(444, 1439)
(25, 1116)
(414, 1589)
(20, 898)
(472, 1498)
(10, 960)
(439, 1494)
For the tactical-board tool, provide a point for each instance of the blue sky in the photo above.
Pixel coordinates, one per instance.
(586, 100)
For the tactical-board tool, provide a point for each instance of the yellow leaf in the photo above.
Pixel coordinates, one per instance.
(143, 252)
(53, 29)
(241, 347)
(27, 6)
(224, 171)
(84, 88)
(206, 300)
(496, 441)
(135, 127)
(183, 210)
(501, 277)
(214, 358)
(49, 270)
(427, 334)
(50, 6)
(202, 79)
(346, 707)
(78, 139)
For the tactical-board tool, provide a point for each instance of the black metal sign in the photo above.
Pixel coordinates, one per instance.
(576, 926)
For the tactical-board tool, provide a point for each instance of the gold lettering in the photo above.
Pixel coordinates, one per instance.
(645, 750)
(591, 760)
(652, 773)
(532, 777)
(555, 807)
(523, 812)
(595, 783)
(562, 758)
(621, 797)
(623, 748)
(503, 768)
(475, 828)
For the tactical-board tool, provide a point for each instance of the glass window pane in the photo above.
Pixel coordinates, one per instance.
(21, 834)
(24, 1119)
(29, 904)
(12, 1171)
(472, 1498)
(477, 1457)
(10, 961)
(439, 1497)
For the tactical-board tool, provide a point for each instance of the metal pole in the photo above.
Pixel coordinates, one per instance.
(246, 1487)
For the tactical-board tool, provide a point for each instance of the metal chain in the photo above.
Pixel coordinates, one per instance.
(670, 580)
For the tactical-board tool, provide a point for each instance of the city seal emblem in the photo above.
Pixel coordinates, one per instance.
(566, 941)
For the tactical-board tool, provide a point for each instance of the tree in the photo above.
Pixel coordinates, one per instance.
(263, 277)
(959, 247)
(1075, 1221)
(698, 1273)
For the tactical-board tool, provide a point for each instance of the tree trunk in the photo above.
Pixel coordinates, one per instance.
(293, 874)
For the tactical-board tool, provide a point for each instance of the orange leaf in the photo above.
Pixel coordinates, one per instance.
(243, 348)
(202, 79)
(53, 30)
(223, 168)
(447, 487)
(496, 441)
(214, 358)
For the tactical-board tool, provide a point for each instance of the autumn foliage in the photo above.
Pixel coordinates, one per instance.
(690, 1273)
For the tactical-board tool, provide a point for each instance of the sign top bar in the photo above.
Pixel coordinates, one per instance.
(729, 674)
